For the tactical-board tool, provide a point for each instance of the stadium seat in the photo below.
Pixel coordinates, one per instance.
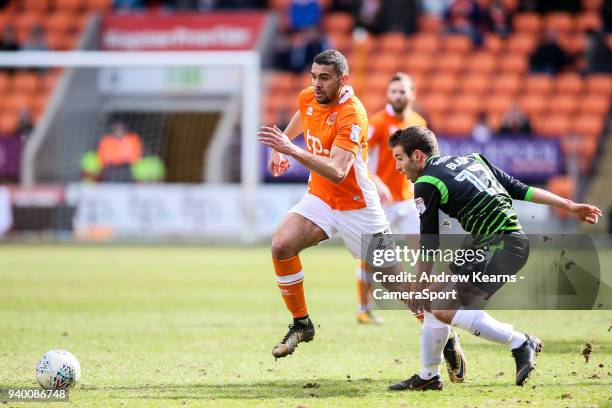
(498, 104)
(443, 83)
(569, 83)
(16, 102)
(468, 103)
(513, 64)
(73, 6)
(5, 83)
(475, 84)
(59, 41)
(457, 44)
(562, 104)
(280, 82)
(425, 43)
(532, 105)
(26, 82)
(599, 84)
(589, 20)
(589, 125)
(59, 22)
(430, 24)
(538, 84)
(482, 63)
(594, 104)
(8, 123)
(374, 102)
(450, 63)
(384, 63)
(555, 126)
(560, 22)
(39, 6)
(340, 41)
(507, 84)
(99, 5)
(573, 43)
(417, 63)
(393, 43)
(527, 23)
(378, 82)
(434, 104)
(24, 22)
(459, 124)
(49, 79)
(494, 44)
(522, 43)
(338, 22)
(592, 5)
(563, 186)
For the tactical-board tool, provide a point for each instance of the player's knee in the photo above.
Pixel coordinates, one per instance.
(282, 248)
(445, 316)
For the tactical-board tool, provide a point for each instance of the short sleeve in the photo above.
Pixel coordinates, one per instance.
(350, 131)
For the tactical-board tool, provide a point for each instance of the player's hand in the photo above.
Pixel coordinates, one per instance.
(273, 137)
(278, 164)
(417, 306)
(586, 212)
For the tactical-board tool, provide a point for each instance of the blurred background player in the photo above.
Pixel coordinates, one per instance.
(394, 189)
(341, 197)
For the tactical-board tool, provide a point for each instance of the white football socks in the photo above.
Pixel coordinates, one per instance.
(480, 323)
(433, 338)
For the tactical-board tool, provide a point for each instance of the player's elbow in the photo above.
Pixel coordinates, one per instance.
(339, 176)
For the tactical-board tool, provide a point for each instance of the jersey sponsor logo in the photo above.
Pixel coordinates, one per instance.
(309, 111)
(314, 144)
(331, 118)
(420, 204)
(355, 131)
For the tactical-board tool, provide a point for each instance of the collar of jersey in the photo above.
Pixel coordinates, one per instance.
(431, 157)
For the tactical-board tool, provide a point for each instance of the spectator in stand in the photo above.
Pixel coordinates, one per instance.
(8, 42)
(481, 132)
(25, 124)
(37, 40)
(546, 6)
(515, 122)
(117, 151)
(436, 7)
(398, 16)
(497, 20)
(240, 4)
(464, 17)
(304, 14)
(128, 5)
(549, 57)
(297, 54)
(598, 54)
(367, 15)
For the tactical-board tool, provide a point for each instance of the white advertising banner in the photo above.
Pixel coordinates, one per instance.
(185, 211)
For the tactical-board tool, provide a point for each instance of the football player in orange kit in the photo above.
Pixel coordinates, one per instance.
(341, 196)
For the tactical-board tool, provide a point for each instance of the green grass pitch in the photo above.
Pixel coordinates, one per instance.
(160, 326)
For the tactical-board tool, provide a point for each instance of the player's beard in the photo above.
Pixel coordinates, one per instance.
(399, 108)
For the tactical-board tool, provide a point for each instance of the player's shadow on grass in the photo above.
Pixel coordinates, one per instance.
(274, 389)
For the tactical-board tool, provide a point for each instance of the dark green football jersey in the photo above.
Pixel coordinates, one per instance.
(470, 189)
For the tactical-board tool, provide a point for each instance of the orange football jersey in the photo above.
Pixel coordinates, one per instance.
(344, 125)
(382, 125)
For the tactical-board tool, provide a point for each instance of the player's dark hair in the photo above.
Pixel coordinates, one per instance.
(402, 76)
(334, 58)
(415, 138)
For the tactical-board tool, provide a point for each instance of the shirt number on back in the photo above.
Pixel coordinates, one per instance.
(469, 175)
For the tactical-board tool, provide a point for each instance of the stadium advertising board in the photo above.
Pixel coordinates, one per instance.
(181, 32)
(10, 156)
(532, 160)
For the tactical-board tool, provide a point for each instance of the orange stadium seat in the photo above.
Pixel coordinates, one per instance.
(494, 120)
(393, 43)
(592, 5)
(494, 44)
(458, 44)
(594, 104)
(482, 63)
(39, 6)
(99, 5)
(560, 22)
(538, 84)
(49, 79)
(416, 63)
(527, 23)
(562, 104)
(38, 104)
(450, 63)
(425, 43)
(532, 104)
(557, 126)
(382, 62)
(599, 84)
(443, 83)
(59, 22)
(563, 186)
(280, 82)
(475, 84)
(340, 41)
(279, 5)
(507, 84)
(522, 43)
(24, 22)
(16, 102)
(468, 103)
(510, 5)
(26, 82)
(69, 5)
(589, 125)
(498, 104)
(569, 83)
(338, 22)
(377, 82)
(5, 83)
(8, 122)
(573, 43)
(430, 24)
(514, 63)
(374, 102)
(460, 124)
(435, 104)
(589, 20)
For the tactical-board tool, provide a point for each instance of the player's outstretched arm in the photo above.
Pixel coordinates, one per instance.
(383, 190)
(278, 164)
(335, 168)
(585, 212)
